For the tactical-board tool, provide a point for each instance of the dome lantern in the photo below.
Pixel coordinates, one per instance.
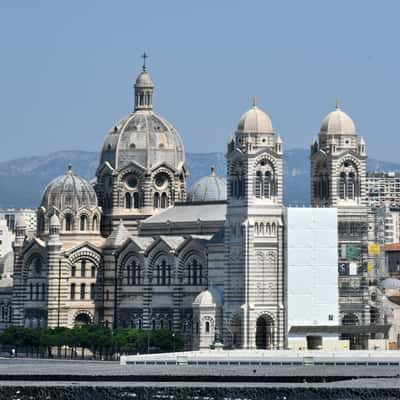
(144, 89)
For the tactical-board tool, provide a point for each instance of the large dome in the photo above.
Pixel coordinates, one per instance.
(69, 191)
(143, 137)
(209, 188)
(255, 121)
(338, 123)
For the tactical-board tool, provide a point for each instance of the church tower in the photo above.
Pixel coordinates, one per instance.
(338, 179)
(254, 311)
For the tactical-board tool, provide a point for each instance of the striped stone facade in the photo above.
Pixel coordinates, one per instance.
(338, 179)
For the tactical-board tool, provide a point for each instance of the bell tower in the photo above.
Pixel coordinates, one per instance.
(254, 312)
(338, 179)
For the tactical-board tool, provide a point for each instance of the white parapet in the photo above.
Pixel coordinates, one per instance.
(267, 357)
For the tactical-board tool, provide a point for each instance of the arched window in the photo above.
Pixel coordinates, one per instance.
(83, 290)
(136, 200)
(68, 222)
(133, 273)
(128, 200)
(262, 232)
(351, 186)
(207, 327)
(37, 291)
(267, 185)
(259, 185)
(265, 181)
(83, 268)
(95, 223)
(73, 270)
(163, 273)
(93, 272)
(164, 200)
(43, 291)
(92, 291)
(342, 185)
(156, 200)
(128, 274)
(83, 225)
(72, 291)
(194, 270)
(31, 291)
(136, 273)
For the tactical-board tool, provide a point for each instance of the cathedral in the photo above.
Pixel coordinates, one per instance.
(137, 249)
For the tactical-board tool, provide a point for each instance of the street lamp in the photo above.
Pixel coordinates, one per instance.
(173, 341)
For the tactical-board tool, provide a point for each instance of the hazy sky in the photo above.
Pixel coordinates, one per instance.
(67, 69)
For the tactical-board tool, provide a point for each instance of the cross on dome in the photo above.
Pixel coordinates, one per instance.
(144, 56)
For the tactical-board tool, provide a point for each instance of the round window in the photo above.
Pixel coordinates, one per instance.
(131, 181)
(161, 180)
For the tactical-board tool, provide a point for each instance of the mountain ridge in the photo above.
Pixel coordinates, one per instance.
(30, 175)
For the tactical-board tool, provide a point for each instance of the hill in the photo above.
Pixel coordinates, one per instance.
(23, 180)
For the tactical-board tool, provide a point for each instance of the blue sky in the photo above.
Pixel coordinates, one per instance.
(67, 69)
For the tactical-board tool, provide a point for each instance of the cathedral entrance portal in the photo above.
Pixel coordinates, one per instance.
(82, 319)
(264, 332)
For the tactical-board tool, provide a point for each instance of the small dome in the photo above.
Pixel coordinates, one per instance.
(255, 121)
(390, 283)
(338, 123)
(144, 80)
(69, 191)
(209, 297)
(209, 188)
(54, 220)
